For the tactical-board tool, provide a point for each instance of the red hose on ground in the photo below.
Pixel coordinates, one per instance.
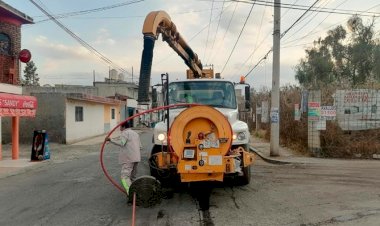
(118, 125)
(134, 209)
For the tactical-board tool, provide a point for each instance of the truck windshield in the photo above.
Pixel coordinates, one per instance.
(213, 93)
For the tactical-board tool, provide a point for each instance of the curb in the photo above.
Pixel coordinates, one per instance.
(22, 170)
(269, 160)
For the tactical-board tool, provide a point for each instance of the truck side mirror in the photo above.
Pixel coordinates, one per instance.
(247, 97)
(154, 97)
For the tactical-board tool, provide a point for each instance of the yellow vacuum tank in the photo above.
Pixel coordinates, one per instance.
(201, 137)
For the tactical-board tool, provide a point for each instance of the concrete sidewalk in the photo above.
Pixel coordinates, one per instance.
(286, 156)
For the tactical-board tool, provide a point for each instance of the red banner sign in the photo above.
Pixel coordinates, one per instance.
(17, 112)
(17, 101)
(17, 105)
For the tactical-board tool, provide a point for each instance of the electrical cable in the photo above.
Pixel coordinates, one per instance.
(257, 64)
(312, 33)
(306, 23)
(225, 33)
(282, 35)
(288, 9)
(216, 32)
(262, 41)
(303, 7)
(208, 30)
(82, 12)
(257, 38)
(76, 37)
(295, 22)
(124, 17)
(241, 31)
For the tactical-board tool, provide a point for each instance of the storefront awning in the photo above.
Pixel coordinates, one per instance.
(17, 105)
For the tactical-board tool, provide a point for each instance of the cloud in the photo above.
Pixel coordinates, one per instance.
(103, 38)
(59, 51)
(54, 58)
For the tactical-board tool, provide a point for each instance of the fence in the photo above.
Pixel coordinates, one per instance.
(325, 123)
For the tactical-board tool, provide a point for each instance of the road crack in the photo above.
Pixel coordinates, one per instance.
(346, 218)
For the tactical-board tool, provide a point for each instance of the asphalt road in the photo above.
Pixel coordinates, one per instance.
(75, 192)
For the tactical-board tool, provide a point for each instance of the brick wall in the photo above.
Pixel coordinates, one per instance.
(9, 65)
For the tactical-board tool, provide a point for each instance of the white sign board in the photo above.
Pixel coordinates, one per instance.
(357, 109)
(328, 112)
(274, 115)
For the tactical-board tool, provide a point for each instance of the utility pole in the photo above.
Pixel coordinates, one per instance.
(275, 97)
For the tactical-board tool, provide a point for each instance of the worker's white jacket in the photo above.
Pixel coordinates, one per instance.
(130, 151)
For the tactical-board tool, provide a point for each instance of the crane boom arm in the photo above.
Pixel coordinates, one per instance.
(159, 22)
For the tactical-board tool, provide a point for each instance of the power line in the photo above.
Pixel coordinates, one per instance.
(122, 17)
(208, 30)
(257, 64)
(291, 26)
(216, 32)
(237, 40)
(262, 41)
(308, 22)
(311, 32)
(82, 12)
(303, 7)
(76, 37)
(288, 9)
(257, 38)
(281, 36)
(225, 33)
(291, 46)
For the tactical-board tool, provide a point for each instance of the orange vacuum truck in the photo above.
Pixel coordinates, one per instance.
(201, 142)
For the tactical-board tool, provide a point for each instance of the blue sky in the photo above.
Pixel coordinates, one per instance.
(116, 33)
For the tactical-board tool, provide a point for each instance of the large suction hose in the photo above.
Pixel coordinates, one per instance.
(145, 69)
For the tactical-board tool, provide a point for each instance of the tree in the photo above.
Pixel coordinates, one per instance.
(317, 69)
(344, 57)
(30, 76)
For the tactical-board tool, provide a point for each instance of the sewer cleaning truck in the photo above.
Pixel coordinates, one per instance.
(201, 138)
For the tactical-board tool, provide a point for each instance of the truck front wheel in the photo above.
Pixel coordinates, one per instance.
(246, 177)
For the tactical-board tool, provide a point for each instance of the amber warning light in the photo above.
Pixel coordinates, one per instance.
(242, 80)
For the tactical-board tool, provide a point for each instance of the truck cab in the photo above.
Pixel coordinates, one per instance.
(216, 93)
